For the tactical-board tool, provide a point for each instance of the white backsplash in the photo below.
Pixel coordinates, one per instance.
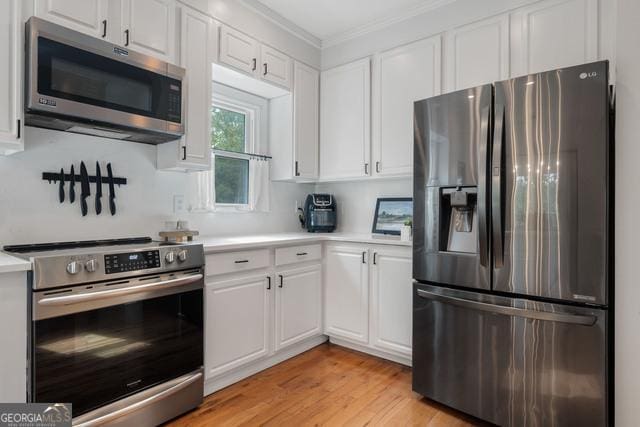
(357, 200)
(30, 211)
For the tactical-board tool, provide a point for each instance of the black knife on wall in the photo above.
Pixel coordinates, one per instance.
(98, 189)
(72, 185)
(85, 191)
(61, 187)
(112, 190)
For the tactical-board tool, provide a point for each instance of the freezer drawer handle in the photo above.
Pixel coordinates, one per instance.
(576, 319)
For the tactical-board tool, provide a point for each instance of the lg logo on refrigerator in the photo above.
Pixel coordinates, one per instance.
(588, 75)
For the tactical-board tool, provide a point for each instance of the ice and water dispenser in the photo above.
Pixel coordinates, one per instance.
(458, 219)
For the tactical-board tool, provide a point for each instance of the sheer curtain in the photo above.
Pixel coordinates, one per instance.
(202, 191)
(259, 185)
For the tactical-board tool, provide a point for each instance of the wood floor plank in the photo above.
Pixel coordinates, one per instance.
(326, 386)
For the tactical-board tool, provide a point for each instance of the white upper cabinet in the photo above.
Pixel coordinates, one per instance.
(198, 43)
(148, 26)
(477, 53)
(401, 76)
(554, 34)
(237, 319)
(298, 305)
(11, 81)
(306, 104)
(238, 50)
(86, 16)
(347, 292)
(345, 121)
(392, 306)
(276, 66)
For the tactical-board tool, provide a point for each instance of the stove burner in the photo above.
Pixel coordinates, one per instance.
(40, 247)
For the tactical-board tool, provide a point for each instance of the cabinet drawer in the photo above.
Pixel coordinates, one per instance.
(232, 262)
(298, 254)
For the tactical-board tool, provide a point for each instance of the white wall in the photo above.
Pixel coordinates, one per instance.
(30, 211)
(357, 200)
(627, 317)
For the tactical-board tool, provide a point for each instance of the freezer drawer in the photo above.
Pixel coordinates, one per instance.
(512, 362)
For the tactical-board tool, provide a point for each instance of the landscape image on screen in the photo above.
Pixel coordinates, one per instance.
(392, 215)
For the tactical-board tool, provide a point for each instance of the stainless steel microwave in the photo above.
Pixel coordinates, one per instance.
(78, 83)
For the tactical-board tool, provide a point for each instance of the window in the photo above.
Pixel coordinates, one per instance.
(232, 135)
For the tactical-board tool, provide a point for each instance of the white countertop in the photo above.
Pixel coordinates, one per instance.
(11, 264)
(216, 244)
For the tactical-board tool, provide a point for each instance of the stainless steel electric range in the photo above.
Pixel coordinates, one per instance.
(117, 328)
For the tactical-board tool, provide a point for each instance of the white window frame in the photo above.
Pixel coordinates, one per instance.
(252, 125)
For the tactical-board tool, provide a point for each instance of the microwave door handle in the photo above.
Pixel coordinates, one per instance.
(497, 172)
(483, 159)
(111, 293)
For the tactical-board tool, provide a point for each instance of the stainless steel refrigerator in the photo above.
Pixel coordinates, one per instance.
(512, 252)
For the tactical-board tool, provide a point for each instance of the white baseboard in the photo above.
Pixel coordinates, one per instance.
(217, 383)
(403, 360)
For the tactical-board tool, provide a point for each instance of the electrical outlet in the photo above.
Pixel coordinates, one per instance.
(178, 203)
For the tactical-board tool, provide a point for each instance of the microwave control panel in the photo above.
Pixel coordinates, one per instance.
(119, 263)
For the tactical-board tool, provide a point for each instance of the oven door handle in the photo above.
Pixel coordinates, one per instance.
(172, 388)
(90, 296)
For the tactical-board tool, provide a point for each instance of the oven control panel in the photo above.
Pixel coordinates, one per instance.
(119, 263)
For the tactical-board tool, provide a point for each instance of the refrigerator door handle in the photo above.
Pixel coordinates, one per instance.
(483, 159)
(576, 319)
(496, 188)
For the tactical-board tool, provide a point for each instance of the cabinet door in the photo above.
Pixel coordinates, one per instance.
(478, 53)
(11, 54)
(236, 323)
(298, 305)
(401, 77)
(345, 116)
(148, 26)
(391, 308)
(347, 293)
(86, 16)
(276, 67)
(554, 34)
(306, 105)
(238, 50)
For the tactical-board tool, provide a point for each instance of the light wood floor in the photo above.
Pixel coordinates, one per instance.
(329, 386)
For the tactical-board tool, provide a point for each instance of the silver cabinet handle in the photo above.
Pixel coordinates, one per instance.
(255, 64)
(126, 37)
(269, 282)
(377, 167)
(364, 254)
(266, 70)
(173, 387)
(241, 261)
(576, 319)
(375, 261)
(89, 296)
(366, 168)
(104, 28)
(302, 253)
(281, 280)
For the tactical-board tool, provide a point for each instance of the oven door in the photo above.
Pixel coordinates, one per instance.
(94, 344)
(74, 75)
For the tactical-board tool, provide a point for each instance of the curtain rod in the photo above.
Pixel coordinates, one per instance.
(236, 153)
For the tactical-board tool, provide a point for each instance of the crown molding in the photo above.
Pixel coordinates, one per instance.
(383, 23)
(283, 23)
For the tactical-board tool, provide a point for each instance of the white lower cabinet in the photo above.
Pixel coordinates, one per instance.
(368, 298)
(391, 299)
(347, 292)
(298, 305)
(237, 322)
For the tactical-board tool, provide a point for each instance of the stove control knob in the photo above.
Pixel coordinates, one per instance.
(182, 255)
(74, 267)
(170, 257)
(91, 265)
